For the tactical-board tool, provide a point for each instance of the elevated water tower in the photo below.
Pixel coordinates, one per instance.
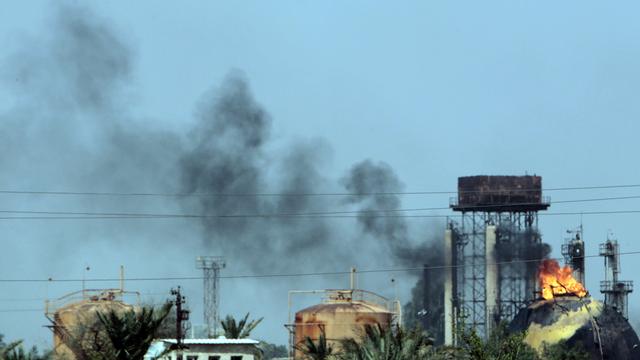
(488, 277)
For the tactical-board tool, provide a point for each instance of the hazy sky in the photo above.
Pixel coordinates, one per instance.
(436, 89)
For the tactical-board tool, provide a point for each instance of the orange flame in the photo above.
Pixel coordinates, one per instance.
(556, 280)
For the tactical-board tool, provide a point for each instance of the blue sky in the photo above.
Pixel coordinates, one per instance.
(436, 89)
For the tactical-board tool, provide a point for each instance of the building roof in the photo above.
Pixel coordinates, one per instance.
(217, 341)
(159, 346)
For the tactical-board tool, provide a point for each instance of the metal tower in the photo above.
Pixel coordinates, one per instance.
(573, 253)
(616, 292)
(211, 266)
(488, 252)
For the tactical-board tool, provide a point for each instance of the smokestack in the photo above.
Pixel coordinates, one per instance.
(492, 306)
(449, 316)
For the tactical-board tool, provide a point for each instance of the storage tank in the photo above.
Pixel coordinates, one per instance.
(342, 315)
(74, 318)
(599, 329)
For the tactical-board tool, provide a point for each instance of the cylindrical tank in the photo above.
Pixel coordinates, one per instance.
(77, 322)
(341, 316)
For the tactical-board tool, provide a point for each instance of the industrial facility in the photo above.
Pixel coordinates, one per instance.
(341, 315)
(74, 317)
(495, 272)
(486, 252)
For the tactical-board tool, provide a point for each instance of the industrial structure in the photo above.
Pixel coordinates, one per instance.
(573, 253)
(74, 317)
(211, 266)
(616, 292)
(341, 315)
(488, 251)
(597, 329)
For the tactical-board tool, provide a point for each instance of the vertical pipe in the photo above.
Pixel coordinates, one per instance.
(491, 279)
(449, 317)
(353, 278)
(122, 279)
(578, 261)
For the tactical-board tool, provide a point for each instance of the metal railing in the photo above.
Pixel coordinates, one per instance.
(51, 306)
(608, 249)
(357, 295)
(621, 286)
(504, 201)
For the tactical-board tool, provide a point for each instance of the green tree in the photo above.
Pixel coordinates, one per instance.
(6, 348)
(20, 353)
(15, 351)
(238, 330)
(501, 345)
(114, 335)
(316, 350)
(132, 332)
(379, 343)
(270, 351)
(562, 351)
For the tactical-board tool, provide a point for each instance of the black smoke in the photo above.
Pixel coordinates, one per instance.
(227, 157)
(69, 124)
(70, 128)
(375, 188)
(520, 250)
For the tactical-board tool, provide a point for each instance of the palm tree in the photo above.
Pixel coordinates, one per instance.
(6, 349)
(312, 350)
(15, 351)
(379, 343)
(132, 332)
(240, 330)
(114, 334)
(21, 354)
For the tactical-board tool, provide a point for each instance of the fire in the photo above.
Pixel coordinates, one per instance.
(556, 280)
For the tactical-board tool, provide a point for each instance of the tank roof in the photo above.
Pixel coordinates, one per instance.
(499, 193)
(344, 306)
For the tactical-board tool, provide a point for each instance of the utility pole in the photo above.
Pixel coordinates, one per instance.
(211, 266)
(181, 315)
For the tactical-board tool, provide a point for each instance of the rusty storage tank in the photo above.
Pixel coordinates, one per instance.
(74, 318)
(342, 315)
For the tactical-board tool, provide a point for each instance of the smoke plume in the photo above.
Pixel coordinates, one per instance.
(375, 188)
(69, 128)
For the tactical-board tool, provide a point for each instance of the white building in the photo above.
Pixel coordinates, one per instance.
(206, 349)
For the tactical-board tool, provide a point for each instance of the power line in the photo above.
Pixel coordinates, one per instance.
(120, 215)
(42, 299)
(420, 216)
(247, 276)
(285, 194)
(289, 275)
